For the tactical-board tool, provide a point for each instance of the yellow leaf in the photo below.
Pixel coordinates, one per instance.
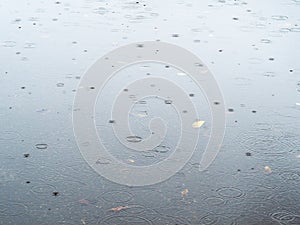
(198, 124)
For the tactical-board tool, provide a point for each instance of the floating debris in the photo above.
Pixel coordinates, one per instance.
(198, 124)
(55, 193)
(298, 103)
(131, 160)
(248, 154)
(184, 192)
(26, 155)
(119, 208)
(268, 169)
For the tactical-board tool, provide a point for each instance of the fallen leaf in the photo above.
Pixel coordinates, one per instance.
(184, 192)
(119, 208)
(198, 124)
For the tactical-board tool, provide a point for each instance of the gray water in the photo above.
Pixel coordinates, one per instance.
(251, 47)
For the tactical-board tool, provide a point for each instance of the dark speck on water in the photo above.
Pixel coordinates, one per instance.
(55, 193)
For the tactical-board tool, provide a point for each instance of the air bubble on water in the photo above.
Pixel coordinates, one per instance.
(168, 102)
(29, 45)
(141, 102)
(103, 161)
(134, 139)
(60, 84)
(199, 64)
(265, 41)
(9, 44)
(279, 17)
(41, 146)
(295, 29)
(161, 149)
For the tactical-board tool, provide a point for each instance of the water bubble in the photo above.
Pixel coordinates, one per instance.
(295, 29)
(279, 17)
(168, 102)
(103, 161)
(60, 84)
(41, 146)
(134, 139)
(162, 149)
(29, 45)
(9, 44)
(265, 41)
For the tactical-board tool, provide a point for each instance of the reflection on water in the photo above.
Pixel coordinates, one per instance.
(251, 47)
